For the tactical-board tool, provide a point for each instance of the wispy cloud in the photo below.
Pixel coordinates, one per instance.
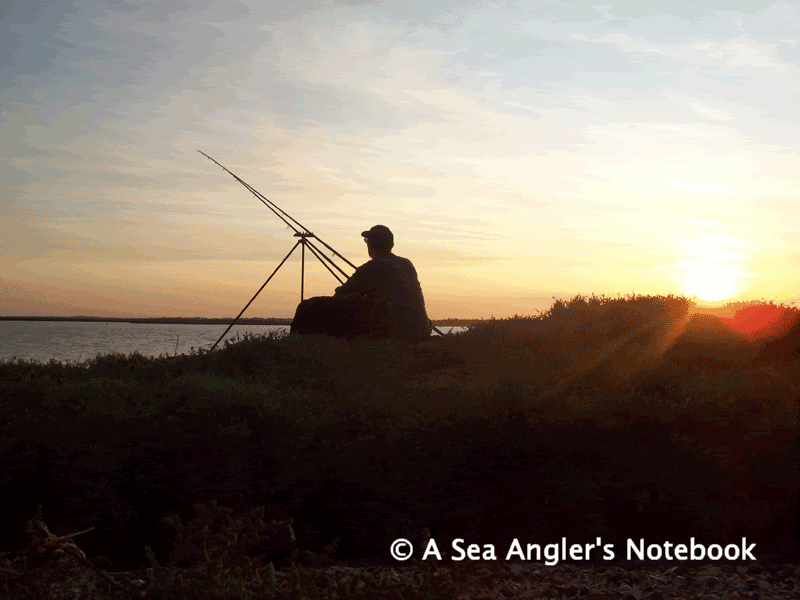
(525, 145)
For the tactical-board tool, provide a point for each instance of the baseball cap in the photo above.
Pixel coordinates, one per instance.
(379, 233)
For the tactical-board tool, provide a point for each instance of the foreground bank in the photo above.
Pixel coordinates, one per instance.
(610, 419)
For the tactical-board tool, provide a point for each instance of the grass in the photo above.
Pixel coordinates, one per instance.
(545, 419)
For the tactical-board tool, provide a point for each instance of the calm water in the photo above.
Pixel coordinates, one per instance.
(68, 341)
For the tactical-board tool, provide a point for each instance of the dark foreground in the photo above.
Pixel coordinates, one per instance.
(611, 419)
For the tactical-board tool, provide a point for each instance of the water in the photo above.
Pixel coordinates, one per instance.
(67, 341)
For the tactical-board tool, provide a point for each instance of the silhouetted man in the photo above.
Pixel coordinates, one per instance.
(382, 298)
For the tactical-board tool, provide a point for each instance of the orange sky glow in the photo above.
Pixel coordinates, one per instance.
(519, 152)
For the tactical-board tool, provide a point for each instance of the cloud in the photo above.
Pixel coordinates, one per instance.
(708, 188)
(711, 113)
(504, 131)
(702, 222)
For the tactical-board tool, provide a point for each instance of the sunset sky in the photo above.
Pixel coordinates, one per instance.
(519, 151)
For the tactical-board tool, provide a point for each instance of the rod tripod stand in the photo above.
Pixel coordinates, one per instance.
(304, 234)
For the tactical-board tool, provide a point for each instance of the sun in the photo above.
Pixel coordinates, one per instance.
(710, 281)
(711, 272)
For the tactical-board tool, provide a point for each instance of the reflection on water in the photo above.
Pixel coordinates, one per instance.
(73, 341)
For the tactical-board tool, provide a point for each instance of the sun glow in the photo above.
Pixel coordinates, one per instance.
(711, 281)
(710, 274)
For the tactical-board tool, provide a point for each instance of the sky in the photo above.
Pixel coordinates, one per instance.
(519, 151)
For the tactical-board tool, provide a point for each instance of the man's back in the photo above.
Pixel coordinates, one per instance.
(393, 279)
(387, 277)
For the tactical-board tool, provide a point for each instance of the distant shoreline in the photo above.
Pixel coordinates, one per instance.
(202, 321)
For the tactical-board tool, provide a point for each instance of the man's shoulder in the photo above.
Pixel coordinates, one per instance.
(407, 263)
(375, 265)
(395, 258)
(392, 261)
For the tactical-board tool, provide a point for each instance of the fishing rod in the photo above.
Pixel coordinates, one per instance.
(304, 241)
(279, 212)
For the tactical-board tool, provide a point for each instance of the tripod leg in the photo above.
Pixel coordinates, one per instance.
(254, 297)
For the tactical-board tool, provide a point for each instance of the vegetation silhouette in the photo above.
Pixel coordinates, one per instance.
(637, 416)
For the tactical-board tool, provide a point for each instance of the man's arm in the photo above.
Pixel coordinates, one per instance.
(363, 281)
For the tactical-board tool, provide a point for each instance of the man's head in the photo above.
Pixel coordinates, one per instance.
(380, 240)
